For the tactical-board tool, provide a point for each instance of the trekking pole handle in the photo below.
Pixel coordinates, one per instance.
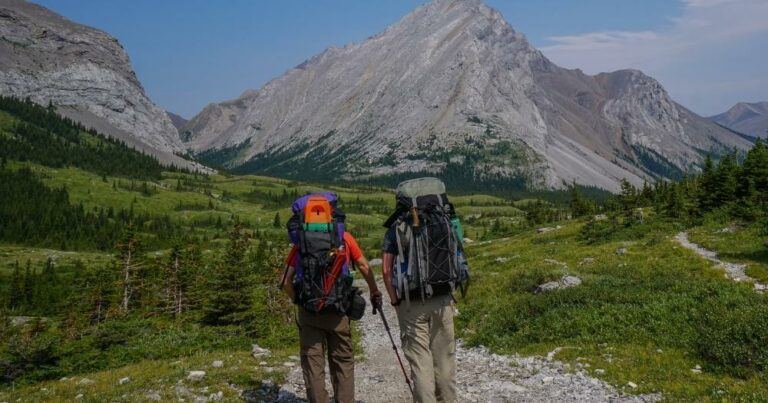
(415, 216)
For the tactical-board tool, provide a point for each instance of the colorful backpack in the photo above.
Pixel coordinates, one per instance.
(429, 240)
(316, 229)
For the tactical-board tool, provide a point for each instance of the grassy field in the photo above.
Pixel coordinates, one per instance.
(201, 201)
(647, 312)
(164, 380)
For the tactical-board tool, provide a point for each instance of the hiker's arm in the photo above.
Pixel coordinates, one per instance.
(288, 283)
(365, 270)
(387, 261)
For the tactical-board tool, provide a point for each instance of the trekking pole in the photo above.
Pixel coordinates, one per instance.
(394, 347)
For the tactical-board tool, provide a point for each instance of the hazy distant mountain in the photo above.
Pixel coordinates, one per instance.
(85, 73)
(177, 120)
(452, 87)
(747, 118)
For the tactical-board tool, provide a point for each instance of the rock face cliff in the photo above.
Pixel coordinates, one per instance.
(453, 88)
(85, 73)
(747, 118)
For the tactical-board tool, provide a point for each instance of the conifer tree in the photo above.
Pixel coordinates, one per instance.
(179, 271)
(28, 289)
(725, 178)
(579, 205)
(230, 290)
(129, 264)
(15, 292)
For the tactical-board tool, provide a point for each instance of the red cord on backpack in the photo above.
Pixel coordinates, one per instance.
(330, 280)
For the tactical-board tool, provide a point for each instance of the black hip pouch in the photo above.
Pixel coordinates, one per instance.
(356, 308)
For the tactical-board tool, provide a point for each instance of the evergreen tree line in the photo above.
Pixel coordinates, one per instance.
(40, 135)
(736, 187)
(91, 310)
(34, 214)
(33, 291)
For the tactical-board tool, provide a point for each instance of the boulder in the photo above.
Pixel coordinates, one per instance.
(375, 262)
(258, 352)
(196, 375)
(85, 382)
(564, 282)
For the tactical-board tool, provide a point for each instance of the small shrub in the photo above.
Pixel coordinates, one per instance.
(734, 336)
(595, 231)
(31, 352)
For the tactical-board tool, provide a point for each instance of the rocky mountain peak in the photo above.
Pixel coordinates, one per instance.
(750, 118)
(85, 73)
(452, 87)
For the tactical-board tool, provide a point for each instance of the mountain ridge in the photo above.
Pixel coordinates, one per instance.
(453, 86)
(749, 118)
(85, 73)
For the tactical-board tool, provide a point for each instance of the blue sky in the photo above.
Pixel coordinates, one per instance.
(709, 54)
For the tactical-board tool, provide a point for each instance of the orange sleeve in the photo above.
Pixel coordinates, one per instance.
(352, 247)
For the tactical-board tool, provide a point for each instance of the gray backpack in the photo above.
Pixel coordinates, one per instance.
(429, 241)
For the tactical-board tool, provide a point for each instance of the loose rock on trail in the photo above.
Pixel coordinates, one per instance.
(482, 376)
(734, 271)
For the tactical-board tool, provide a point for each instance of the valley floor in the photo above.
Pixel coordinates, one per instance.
(632, 330)
(482, 376)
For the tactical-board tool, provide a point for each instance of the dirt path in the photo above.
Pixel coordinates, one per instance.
(482, 376)
(734, 271)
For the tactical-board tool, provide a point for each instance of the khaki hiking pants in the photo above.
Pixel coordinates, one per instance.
(426, 330)
(316, 333)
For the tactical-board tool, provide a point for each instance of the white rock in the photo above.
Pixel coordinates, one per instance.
(564, 282)
(216, 396)
(217, 364)
(86, 381)
(196, 375)
(258, 352)
(123, 381)
(632, 385)
(79, 396)
(375, 262)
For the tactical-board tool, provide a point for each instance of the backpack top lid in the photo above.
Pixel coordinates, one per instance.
(300, 205)
(317, 210)
(420, 187)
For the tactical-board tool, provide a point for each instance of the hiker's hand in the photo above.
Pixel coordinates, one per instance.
(376, 300)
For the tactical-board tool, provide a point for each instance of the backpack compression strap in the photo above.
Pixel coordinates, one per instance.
(333, 275)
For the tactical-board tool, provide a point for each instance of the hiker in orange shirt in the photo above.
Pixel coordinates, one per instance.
(318, 280)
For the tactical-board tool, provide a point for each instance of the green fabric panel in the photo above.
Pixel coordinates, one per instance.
(317, 227)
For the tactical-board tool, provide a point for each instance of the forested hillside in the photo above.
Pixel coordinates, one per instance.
(112, 271)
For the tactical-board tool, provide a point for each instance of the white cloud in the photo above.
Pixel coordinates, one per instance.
(703, 25)
(706, 30)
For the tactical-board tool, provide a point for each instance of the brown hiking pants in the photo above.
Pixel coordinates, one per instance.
(331, 331)
(426, 330)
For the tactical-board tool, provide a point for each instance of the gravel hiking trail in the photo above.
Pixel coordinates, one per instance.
(482, 376)
(734, 271)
